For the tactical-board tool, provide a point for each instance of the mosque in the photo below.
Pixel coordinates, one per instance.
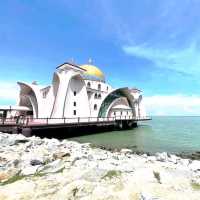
(79, 91)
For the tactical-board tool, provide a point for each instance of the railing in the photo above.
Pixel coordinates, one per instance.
(78, 120)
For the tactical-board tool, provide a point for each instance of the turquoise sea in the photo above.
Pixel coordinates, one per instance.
(171, 134)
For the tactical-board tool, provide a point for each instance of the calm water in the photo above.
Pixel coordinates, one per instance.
(171, 134)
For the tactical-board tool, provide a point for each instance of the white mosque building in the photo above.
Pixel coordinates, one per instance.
(79, 92)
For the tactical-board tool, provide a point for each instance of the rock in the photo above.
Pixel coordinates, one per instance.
(90, 157)
(52, 167)
(145, 155)
(36, 162)
(151, 159)
(146, 197)
(162, 157)
(195, 165)
(173, 159)
(126, 151)
(5, 139)
(3, 161)
(60, 155)
(30, 170)
(16, 163)
(196, 180)
(3, 176)
(184, 162)
(7, 174)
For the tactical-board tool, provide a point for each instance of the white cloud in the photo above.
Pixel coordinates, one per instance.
(172, 105)
(8, 91)
(185, 60)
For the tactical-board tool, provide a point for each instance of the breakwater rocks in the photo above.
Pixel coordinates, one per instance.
(35, 168)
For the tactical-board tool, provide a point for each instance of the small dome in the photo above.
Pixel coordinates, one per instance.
(93, 72)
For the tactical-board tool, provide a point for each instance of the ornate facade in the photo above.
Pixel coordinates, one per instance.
(79, 91)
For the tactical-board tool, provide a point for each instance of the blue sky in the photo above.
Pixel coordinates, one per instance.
(150, 44)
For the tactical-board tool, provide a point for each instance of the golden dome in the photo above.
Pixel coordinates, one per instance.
(93, 71)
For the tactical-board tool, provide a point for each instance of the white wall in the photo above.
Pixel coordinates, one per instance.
(105, 89)
(77, 85)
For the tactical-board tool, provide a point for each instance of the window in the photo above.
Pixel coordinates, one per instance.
(88, 85)
(114, 113)
(74, 93)
(74, 103)
(99, 86)
(127, 112)
(95, 106)
(44, 94)
(121, 112)
(74, 112)
(99, 96)
(107, 88)
(95, 96)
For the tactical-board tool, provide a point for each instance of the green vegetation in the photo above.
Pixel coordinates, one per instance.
(93, 146)
(157, 176)
(195, 186)
(13, 179)
(18, 176)
(111, 174)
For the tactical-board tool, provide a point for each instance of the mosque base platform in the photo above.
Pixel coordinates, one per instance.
(67, 129)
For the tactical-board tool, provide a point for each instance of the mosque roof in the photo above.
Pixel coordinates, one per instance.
(93, 72)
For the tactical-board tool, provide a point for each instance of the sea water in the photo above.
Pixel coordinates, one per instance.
(170, 134)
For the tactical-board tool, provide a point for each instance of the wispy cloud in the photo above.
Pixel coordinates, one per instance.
(153, 31)
(172, 105)
(185, 60)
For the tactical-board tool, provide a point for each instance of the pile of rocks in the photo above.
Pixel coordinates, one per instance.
(35, 168)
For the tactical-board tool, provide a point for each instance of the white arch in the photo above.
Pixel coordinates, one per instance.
(30, 93)
(55, 84)
(76, 84)
(126, 93)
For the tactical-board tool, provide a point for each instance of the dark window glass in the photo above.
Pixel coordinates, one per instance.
(121, 113)
(74, 112)
(99, 96)
(74, 93)
(88, 84)
(99, 86)
(95, 96)
(95, 106)
(74, 103)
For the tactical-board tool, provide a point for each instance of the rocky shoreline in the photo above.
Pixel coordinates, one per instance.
(35, 168)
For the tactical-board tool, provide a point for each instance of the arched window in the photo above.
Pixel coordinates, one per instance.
(99, 96)
(95, 106)
(74, 103)
(95, 96)
(74, 112)
(89, 85)
(74, 93)
(99, 86)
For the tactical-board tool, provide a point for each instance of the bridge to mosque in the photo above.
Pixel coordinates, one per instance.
(67, 127)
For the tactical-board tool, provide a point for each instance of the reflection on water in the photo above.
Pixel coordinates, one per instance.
(172, 134)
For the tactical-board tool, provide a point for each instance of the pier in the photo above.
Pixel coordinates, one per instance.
(67, 127)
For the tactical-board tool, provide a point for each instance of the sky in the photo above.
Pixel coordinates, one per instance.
(153, 45)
